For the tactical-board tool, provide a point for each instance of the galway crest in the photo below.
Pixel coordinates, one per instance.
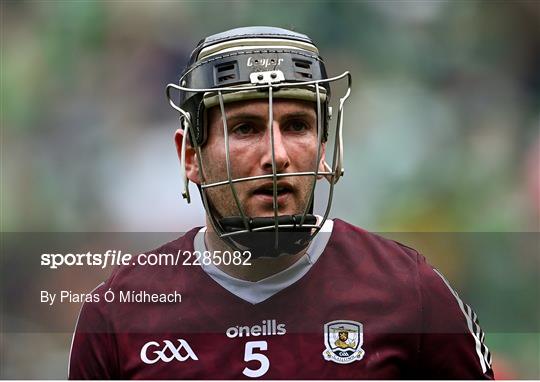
(343, 340)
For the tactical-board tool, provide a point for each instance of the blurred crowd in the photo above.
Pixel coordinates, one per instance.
(442, 146)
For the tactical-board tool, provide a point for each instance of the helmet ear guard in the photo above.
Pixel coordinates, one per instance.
(226, 69)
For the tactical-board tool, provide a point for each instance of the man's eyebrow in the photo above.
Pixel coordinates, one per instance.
(301, 114)
(245, 116)
(263, 118)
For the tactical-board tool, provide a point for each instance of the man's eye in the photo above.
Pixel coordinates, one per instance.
(298, 126)
(243, 129)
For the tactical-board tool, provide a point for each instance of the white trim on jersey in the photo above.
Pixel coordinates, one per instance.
(256, 292)
(482, 351)
(75, 331)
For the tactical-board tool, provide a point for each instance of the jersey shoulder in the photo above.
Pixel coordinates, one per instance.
(371, 248)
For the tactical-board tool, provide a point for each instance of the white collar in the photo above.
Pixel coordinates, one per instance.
(255, 292)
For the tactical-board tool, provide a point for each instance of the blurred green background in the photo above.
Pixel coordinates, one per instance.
(442, 135)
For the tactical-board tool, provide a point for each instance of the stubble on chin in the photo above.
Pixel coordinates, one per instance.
(222, 200)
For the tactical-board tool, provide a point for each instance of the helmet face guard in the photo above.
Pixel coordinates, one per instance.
(259, 63)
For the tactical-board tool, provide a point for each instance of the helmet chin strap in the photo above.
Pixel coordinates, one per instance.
(261, 239)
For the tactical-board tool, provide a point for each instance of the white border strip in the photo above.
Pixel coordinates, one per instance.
(474, 328)
(255, 43)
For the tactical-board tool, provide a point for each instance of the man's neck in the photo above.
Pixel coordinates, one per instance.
(259, 269)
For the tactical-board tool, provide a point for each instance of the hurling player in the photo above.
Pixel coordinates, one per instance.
(270, 289)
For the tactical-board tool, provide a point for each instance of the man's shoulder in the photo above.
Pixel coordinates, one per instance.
(356, 240)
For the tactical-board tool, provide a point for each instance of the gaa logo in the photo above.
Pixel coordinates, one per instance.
(166, 353)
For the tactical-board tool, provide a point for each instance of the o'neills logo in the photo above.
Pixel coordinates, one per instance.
(267, 328)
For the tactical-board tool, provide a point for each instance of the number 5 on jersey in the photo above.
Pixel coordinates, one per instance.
(250, 354)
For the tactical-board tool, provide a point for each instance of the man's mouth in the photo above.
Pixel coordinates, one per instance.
(267, 190)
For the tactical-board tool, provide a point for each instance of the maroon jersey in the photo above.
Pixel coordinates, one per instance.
(357, 306)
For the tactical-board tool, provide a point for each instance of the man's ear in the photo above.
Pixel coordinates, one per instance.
(192, 164)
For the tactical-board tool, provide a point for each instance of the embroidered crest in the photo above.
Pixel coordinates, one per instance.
(343, 340)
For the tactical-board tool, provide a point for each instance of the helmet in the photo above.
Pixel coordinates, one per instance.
(258, 63)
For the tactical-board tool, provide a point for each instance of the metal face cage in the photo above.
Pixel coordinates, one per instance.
(234, 230)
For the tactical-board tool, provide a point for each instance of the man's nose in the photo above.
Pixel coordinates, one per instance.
(280, 151)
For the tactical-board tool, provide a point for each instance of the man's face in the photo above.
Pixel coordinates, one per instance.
(295, 148)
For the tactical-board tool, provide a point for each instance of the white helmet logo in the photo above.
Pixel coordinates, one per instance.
(264, 62)
(169, 348)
